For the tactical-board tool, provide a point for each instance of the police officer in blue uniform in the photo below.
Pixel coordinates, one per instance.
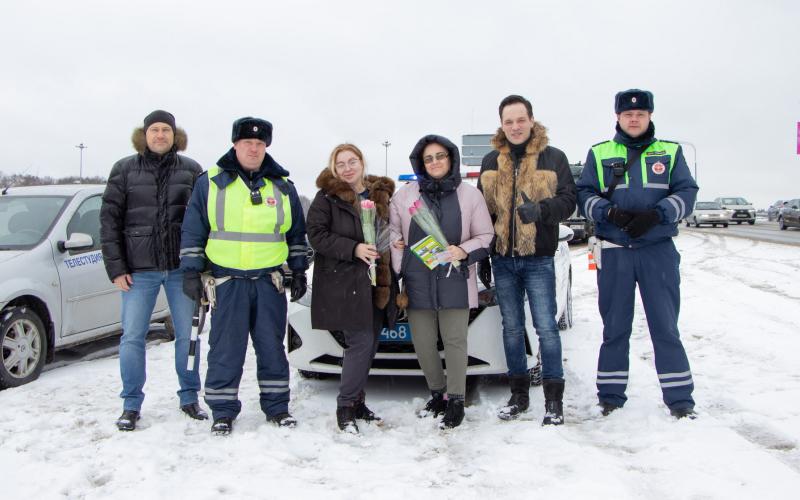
(636, 188)
(243, 222)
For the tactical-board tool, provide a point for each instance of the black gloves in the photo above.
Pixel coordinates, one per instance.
(485, 272)
(529, 211)
(619, 216)
(298, 286)
(642, 222)
(193, 285)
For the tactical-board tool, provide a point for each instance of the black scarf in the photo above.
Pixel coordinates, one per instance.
(643, 140)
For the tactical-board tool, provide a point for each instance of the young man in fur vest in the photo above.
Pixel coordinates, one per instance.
(529, 189)
(141, 216)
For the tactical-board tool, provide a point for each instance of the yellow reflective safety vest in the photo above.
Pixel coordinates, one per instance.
(246, 236)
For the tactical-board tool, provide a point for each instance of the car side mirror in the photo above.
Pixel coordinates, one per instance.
(565, 233)
(77, 241)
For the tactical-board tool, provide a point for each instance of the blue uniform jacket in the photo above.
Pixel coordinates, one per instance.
(196, 227)
(673, 202)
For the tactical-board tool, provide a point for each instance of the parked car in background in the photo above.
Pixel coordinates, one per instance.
(789, 215)
(55, 292)
(318, 352)
(741, 209)
(582, 227)
(775, 209)
(709, 212)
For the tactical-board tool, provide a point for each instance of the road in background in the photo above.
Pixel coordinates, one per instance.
(762, 230)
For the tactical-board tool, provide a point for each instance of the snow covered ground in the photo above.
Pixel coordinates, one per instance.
(741, 308)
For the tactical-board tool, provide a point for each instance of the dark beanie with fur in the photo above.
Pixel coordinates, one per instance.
(159, 116)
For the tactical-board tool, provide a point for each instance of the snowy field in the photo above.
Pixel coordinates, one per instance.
(739, 322)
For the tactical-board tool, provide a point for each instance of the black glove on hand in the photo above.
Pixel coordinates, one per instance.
(642, 222)
(193, 285)
(485, 272)
(298, 286)
(529, 211)
(619, 216)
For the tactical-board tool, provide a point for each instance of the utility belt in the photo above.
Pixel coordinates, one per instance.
(596, 247)
(210, 283)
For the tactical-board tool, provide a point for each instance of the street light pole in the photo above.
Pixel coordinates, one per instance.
(81, 146)
(386, 144)
(694, 154)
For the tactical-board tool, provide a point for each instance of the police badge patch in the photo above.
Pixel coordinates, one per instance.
(658, 168)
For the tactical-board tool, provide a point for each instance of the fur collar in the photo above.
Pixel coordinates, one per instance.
(140, 142)
(538, 141)
(380, 190)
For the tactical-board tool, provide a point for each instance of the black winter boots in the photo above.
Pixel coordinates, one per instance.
(435, 406)
(520, 399)
(127, 421)
(346, 419)
(222, 426)
(453, 414)
(364, 413)
(553, 401)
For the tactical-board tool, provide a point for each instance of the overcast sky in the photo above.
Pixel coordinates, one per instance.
(725, 76)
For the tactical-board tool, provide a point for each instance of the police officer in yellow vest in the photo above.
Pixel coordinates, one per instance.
(243, 222)
(636, 188)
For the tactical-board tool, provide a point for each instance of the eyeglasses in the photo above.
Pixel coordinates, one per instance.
(437, 157)
(352, 163)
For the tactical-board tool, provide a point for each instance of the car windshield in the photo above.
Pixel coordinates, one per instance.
(707, 205)
(25, 220)
(734, 201)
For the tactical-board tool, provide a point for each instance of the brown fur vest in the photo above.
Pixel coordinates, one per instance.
(380, 191)
(498, 189)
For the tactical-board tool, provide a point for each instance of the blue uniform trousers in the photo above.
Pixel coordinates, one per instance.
(655, 268)
(247, 307)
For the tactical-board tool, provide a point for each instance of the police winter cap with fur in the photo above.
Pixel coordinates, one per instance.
(633, 99)
(159, 116)
(252, 128)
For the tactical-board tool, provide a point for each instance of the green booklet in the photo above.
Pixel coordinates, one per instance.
(427, 249)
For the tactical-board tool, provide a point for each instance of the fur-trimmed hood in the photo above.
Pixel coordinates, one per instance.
(538, 141)
(380, 190)
(140, 141)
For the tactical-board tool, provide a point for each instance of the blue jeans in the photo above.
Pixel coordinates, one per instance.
(513, 278)
(137, 307)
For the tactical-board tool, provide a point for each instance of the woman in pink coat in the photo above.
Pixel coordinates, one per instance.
(439, 299)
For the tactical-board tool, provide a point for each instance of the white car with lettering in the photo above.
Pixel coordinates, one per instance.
(316, 353)
(55, 292)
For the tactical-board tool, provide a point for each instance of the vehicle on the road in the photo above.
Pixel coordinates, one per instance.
(789, 216)
(55, 292)
(741, 209)
(775, 209)
(318, 352)
(582, 227)
(708, 212)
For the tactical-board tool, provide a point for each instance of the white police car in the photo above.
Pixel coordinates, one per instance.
(55, 292)
(318, 352)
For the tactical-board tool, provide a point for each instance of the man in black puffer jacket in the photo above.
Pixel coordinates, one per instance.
(141, 217)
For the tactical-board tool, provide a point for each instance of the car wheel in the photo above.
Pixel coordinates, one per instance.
(536, 374)
(781, 224)
(23, 342)
(565, 321)
(169, 328)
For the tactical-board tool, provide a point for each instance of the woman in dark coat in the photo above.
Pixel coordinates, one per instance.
(343, 297)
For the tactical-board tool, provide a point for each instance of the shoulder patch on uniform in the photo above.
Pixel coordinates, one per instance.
(599, 143)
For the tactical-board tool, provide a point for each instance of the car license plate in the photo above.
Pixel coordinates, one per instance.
(401, 333)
